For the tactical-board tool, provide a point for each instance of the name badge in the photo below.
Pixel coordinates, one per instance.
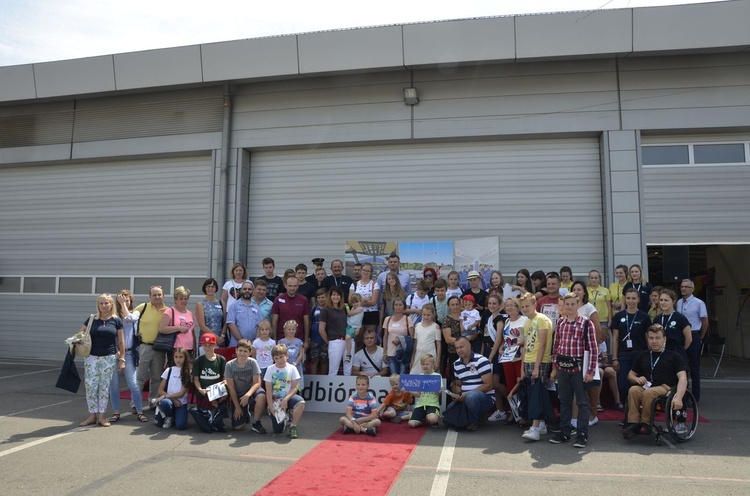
(282, 300)
(396, 324)
(629, 343)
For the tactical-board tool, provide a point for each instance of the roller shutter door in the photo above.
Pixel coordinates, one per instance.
(541, 197)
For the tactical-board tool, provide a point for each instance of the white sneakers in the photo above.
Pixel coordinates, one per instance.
(497, 416)
(593, 421)
(532, 434)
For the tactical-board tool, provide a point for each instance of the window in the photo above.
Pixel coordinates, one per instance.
(10, 284)
(77, 285)
(194, 284)
(111, 284)
(143, 284)
(729, 153)
(665, 155)
(38, 284)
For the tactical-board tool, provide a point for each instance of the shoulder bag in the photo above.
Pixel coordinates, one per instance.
(165, 342)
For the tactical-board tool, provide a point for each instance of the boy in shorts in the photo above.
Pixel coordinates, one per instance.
(318, 347)
(361, 415)
(243, 383)
(282, 379)
(395, 406)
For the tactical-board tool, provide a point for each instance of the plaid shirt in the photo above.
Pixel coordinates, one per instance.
(571, 340)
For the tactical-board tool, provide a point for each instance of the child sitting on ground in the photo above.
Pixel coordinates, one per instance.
(427, 405)
(355, 314)
(395, 406)
(361, 411)
(171, 404)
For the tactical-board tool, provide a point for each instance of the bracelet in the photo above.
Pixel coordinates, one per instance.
(615, 359)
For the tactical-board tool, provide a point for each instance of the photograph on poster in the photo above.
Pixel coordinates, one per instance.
(416, 255)
(480, 254)
(374, 252)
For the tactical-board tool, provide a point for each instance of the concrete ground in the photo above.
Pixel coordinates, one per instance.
(42, 451)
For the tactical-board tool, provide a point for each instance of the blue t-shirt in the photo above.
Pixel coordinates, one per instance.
(315, 326)
(294, 348)
(104, 336)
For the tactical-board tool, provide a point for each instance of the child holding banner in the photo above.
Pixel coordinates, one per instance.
(427, 405)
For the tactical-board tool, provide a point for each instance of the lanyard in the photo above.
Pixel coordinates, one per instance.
(619, 293)
(653, 363)
(596, 294)
(629, 324)
(665, 323)
(638, 288)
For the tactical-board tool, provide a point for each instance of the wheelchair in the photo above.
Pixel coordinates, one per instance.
(680, 424)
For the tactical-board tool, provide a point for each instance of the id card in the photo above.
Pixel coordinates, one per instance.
(629, 344)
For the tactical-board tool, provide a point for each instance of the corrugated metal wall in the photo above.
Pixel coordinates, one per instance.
(541, 197)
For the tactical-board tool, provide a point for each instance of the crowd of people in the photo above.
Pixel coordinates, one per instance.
(245, 347)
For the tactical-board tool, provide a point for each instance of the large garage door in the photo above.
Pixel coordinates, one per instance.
(68, 231)
(541, 197)
(695, 189)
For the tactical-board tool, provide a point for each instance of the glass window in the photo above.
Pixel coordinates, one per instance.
(78, 285)
(111, 285)
(10, 284)
(193, 284)
(143, 285)
(665, 155)
(38, 284)
(729, 153)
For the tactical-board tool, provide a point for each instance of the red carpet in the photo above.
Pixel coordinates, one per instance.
(349, 464)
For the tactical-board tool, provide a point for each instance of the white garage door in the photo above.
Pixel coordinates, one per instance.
(541, 197)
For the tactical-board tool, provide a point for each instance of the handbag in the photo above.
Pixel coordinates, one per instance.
(456, 415)
(165, 342)
(69, 379)
(82, 345)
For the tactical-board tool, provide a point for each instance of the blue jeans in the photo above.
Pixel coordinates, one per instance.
(396, 366)
(569, 384)
(477, 403)
(168, 409)
(130, 377)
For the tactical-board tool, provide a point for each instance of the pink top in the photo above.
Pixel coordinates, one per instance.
(183, 339)
(395, 329)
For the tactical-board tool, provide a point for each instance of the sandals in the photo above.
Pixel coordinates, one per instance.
(599, 407)
(619, 407)
(88, 421)
(103, 422)
(142, 417)
(114, 418)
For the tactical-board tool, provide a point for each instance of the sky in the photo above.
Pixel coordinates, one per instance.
(47, 30)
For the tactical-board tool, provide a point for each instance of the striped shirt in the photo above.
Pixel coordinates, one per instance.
(470, 374)
(362, 407)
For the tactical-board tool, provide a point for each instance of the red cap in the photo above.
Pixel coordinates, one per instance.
(468, 297)
(208, 338)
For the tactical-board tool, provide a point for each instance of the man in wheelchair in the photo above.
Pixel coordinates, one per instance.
(654, 374)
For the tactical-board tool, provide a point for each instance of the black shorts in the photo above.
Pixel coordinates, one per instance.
(247, 411)
(420, 414)
(371, 319)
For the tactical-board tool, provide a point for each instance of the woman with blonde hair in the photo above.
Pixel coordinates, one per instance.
(637, 281)
(107, 350)
(179, 320)
(124, 305)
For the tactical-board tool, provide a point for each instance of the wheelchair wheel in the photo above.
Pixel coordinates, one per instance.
(682, 423)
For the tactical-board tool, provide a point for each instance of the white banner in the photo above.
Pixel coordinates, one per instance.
(330, 393)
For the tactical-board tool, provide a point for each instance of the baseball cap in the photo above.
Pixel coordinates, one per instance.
(468, 297)
(473, 274)
(208, 338)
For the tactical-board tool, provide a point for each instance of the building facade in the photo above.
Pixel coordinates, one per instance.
(578, 138)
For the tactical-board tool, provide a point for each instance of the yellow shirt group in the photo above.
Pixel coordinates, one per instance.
(148, 325)
(531, 330)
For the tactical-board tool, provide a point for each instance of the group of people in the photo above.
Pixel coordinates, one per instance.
(487, 343)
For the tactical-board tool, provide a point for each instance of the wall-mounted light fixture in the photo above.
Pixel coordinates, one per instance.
(410, 96)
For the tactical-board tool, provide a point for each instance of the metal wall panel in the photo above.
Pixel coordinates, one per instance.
(696, 204)
(541, 197)
(126, 217)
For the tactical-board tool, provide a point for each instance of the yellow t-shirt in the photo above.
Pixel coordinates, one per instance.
(599, 298)
(148, 326)
(567, 285)
(531, 330)
(615, 294)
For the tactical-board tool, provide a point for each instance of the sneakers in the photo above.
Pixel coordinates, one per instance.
(167, 423)
(371, 431)
(542, 429)
(258, 427)
(293, 432)
(630, 430)
(681, 428)
(532, 434)
(646, 430)
(559, 438)
(593, 421)
(472, 426)
(581, 441)
(347, 430)
(497, 416)
(157, 415)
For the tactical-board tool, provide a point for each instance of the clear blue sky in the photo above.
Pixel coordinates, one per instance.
(45, 30)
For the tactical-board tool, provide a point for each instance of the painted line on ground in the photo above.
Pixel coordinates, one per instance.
(34, 409)
(267, 457)
(547, 473)
(40, 441)
(29, 373)
(443, 470)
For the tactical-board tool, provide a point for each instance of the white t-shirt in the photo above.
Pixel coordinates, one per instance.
(414, 301)
(263, 352)
(454, 292)
(365, 291)
(360, 360)
(174, 384)
(281, 379)
(586, 310)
